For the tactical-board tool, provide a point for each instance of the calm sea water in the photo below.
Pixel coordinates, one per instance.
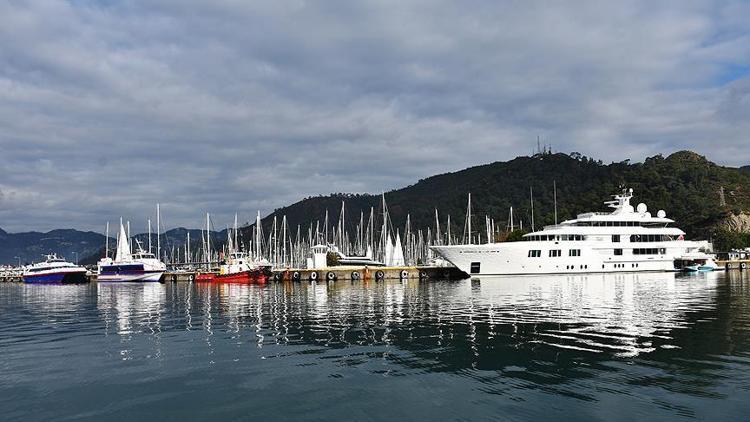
(617, 347)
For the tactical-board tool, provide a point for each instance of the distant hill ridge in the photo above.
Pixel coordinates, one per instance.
(89, 246)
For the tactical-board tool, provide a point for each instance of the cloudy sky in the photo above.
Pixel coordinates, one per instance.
(108, 107)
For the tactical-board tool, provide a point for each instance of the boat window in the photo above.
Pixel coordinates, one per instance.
(618, 251)
(475, 266)
(646, 251)
(574, 252)
(553, 253)
(615, 238)
(535, 253)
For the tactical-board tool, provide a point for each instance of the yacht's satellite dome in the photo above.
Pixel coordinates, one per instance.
(661, 214)
(642, 208)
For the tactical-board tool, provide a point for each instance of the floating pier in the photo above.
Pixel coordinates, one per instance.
(734, 264)
(352, 273)
(368, 273)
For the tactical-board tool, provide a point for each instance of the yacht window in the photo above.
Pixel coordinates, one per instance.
(646, 251)
(574, 252)
(615, 238)
(618, 251)
(475, 266)
(553, 253)
(535, 253)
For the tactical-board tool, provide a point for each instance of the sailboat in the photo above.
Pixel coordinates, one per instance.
(128, 266)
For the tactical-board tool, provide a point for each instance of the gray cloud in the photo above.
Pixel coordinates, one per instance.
(109, 107)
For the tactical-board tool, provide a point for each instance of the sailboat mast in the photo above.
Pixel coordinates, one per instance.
(235, 232)
(158, 231)
(449, 229)
(437, 228)
(554, 190)
(468, 217)
(149, 235)
(531, 199)
(258, 243)
(208, 240)
(106, 241)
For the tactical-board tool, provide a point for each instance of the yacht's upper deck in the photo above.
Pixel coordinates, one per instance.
(623, 219)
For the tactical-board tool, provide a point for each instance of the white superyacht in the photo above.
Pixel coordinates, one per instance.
(623, 240)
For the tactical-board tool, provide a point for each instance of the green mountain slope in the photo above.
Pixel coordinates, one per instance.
(686, 185)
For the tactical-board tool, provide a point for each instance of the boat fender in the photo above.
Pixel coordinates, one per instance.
(728, 266)
(331, 276)
(422, 275)
(379, 275)
(743, 266)
(277, 277)
(174, 278)
(355, 275)
(404, 274)
(191, 277)
(296, 276)
(314, 275)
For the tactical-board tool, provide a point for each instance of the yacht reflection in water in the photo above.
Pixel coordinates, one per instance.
(619, 314)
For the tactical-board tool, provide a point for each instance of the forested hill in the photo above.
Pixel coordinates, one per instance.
(685, 184)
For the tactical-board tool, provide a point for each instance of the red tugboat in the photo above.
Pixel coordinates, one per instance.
(237, 269)
(238, 266)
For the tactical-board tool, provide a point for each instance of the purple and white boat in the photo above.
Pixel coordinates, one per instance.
(127, 266)
(55, 270)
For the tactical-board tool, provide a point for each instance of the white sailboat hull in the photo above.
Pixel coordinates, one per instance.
(144, 277)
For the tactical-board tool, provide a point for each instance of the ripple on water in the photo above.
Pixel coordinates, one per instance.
(657, 345)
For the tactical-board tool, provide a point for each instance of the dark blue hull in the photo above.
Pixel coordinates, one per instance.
(56, 278)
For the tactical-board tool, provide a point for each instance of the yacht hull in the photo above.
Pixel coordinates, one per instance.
(68, 277)
(509, 259)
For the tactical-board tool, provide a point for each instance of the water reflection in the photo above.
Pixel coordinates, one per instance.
(657, 337)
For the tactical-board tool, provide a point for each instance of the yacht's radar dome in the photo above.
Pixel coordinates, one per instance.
(661, 214)
(642, 208)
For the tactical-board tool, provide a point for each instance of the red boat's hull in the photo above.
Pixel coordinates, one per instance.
(205, 277)
(244, 277)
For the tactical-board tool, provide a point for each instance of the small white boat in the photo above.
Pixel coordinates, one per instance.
(696, 262)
